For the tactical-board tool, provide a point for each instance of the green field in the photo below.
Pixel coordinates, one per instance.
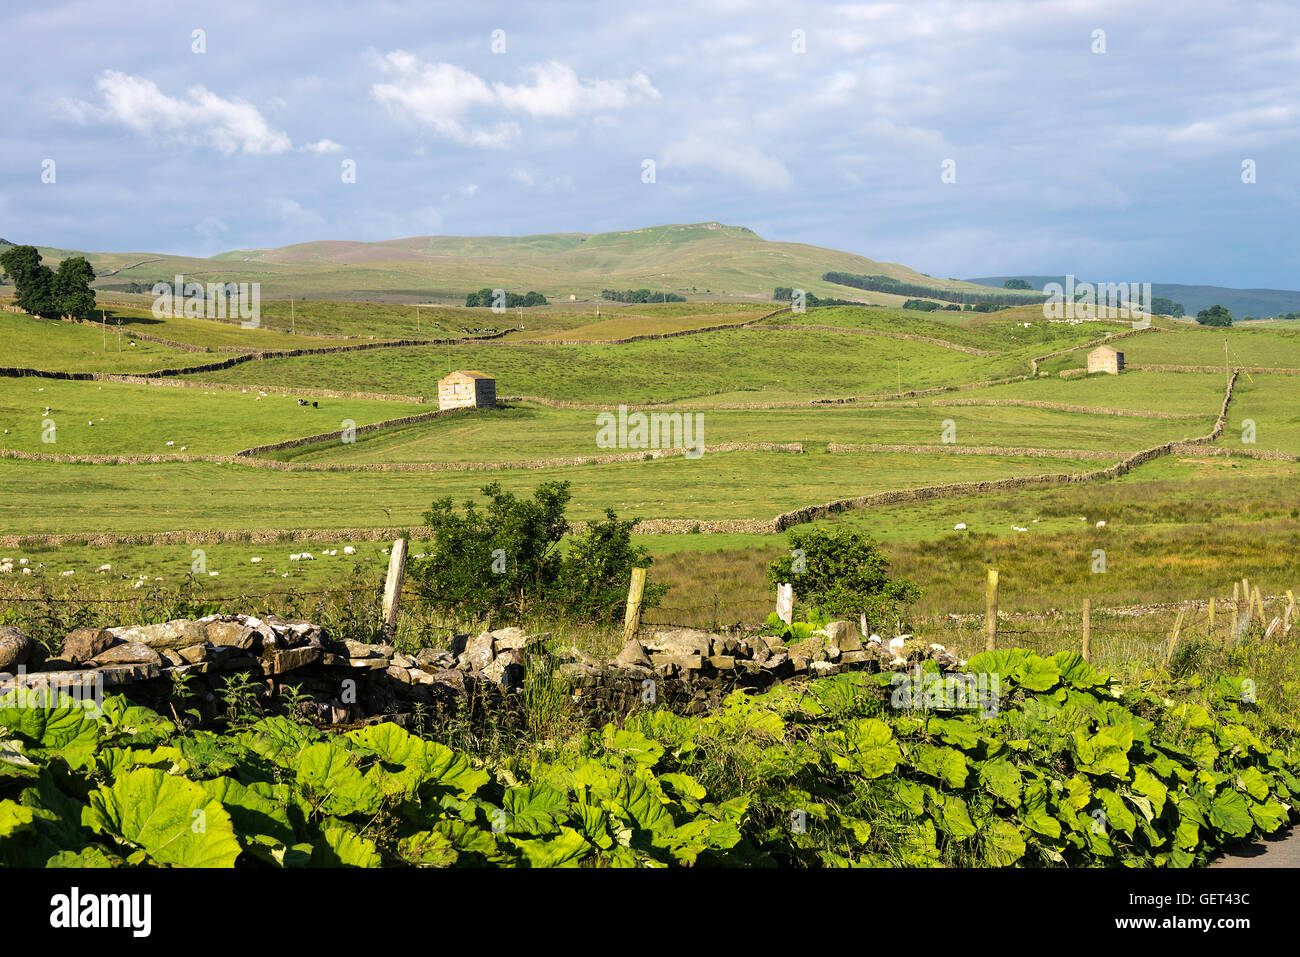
(527, 432)
(1182, 524)
(109, 418)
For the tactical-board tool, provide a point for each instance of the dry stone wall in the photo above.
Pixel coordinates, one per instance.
(347, 682)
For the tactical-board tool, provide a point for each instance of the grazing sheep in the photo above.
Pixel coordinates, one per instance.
(1101, 524)
(65, 574)
(349, 550)
(254, 561)
(959, 527)
(307, 557)
(104, 568)
(295, 557)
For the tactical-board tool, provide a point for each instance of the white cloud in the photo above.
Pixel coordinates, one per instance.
(322, 146)
(231, 125)
(557, 91)
(442, 96)
(738, 161)
(541, 183)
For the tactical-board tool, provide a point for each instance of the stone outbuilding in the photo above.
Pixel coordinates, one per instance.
(1105, 359)
(467, 390)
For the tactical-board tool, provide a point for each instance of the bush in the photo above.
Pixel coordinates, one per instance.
(842, 572)
(508, 559)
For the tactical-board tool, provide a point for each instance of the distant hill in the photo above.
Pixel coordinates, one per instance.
(692, 260)
(1260, 303)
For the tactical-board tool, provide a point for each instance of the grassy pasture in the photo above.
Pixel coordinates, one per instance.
(1271, 402)
(52, 497)
(778, 365)
(1177, 392)
(534, 432)
(49, 345)
(1272, 346)
(142, 419)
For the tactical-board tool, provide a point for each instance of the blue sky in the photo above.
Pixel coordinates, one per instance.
(821, 123)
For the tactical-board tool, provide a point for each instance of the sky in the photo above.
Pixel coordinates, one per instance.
(1129, 141)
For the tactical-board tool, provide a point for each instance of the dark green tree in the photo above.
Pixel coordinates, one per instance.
(507, 559)
(843, 573)
(33, 282)
(1216, 315)
(1016, 284)
(72, 292)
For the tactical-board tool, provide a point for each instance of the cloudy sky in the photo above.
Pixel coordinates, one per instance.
(823, 123)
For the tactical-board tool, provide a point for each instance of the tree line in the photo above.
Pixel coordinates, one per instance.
(486, 297)
(640, 295)
(899, 288)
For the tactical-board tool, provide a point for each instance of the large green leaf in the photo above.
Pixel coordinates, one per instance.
(170, 819)
(67, 730)
(946, 764)
(333, 782)
(866, 746)
(1230, 814)
(339, 845)
(1003, 843)
(1002, 779)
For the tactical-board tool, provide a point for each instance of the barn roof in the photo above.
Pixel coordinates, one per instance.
(469, 374)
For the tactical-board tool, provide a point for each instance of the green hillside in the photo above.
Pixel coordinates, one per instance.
(696, 260)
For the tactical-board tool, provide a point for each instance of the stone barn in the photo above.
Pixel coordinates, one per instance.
(467, 390)
(1105, 359)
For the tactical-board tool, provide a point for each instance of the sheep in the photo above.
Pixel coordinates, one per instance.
(349, 550)
(959, 527)
(104, 568)
(255, 560)
(308, 557)
(22, 561)
(1101, 524)
(295, 557)
(65, 574)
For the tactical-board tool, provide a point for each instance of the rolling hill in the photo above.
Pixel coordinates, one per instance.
(1261, 303)
(698, 259)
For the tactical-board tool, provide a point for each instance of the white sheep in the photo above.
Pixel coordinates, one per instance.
(104, 568)
(65, 574)
(959, 527)
(349, 550)
(255, 560)
(1101, 524)
(295, 557)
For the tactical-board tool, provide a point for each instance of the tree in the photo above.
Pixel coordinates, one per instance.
(1162, 306)
(598, 569)
(1216, 315)
(72, 287)
(44, 292)
(843, 572)
(1016, 284)
(508, 559)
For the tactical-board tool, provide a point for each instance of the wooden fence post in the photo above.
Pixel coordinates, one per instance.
(991, 611)
(1173, 638)
(1087, 629)
(1209, 628)
(1290, 610)
(785, 602)
(634, 592)
(393, 587)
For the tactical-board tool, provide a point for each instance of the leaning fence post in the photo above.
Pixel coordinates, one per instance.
(785, 602)
(1173, 638)
(991, 611)
(634, 592)
(1087, 629)
(393, 586)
